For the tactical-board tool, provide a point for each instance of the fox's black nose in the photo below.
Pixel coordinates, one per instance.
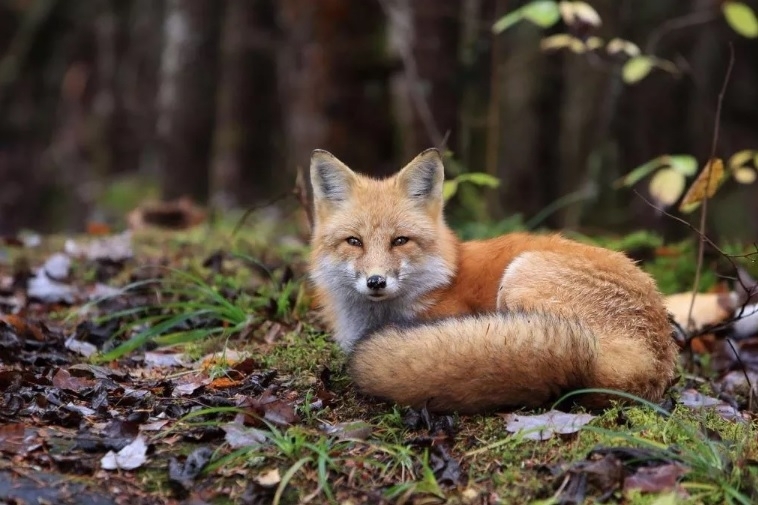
(376, 282)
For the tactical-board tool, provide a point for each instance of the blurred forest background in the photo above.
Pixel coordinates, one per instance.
(106, 102)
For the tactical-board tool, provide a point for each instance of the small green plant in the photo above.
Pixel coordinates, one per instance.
(547, 13)
(185, 300)
(711, 469)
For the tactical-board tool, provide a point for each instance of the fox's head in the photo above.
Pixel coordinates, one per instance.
(380, 239)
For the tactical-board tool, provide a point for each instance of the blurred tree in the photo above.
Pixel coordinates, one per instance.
(226, 99)
(186, 95)
(333, 74)
(247, 131)
(425, 35)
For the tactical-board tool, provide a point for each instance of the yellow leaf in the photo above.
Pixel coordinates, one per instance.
(578, 46)
(594, 43)
(637, 68)
(618, 45)
(741, 18)
(558, 41)
(667, 186)
(744, 175)
(585, 12)
(740, 158)
(705, 185)
(568, 12)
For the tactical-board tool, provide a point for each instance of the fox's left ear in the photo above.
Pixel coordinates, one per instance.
(422, 178)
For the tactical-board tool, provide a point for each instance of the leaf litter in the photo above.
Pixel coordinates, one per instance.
(174, 410)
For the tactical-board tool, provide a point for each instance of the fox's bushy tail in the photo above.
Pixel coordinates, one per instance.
(477, 363)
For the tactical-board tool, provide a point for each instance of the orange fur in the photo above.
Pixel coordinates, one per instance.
(512, 321)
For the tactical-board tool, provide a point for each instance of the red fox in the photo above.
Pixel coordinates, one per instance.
(513, 321)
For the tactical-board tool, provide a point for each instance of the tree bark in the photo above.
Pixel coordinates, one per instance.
(424, 35)
(186, 96)
(333, 75)
(247, 113)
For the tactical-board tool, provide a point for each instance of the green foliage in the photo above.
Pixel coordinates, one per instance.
(671, 171)
(126, 192)
(674, 273)
(640, 239)
(475, 230)
(450, 187)
(547, 13)
(543, 13)
(637, 68)
(710, 462)
(187, 297)
(741, 18)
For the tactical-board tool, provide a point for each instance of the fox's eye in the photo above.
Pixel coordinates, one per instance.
(355, 242)
(398, 241)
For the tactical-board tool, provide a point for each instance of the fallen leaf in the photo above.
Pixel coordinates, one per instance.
(270, 478)
(267, 406)
(187, 385)
(12, 438)
(349, 430)
(165, 359)
(544, 426)
(238, 436)
(130, 457)
(181, 474)
(655, 479)
(84, 348)
(57, 267)
(696, 400)
(63, 380)
(113, 248)
(447, 470)
(48, 290)
(224, 383)
(154, 425)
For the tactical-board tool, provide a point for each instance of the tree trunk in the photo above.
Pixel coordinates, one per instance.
(246, 117)
(333, 79)
(424, 35)
(186, 96)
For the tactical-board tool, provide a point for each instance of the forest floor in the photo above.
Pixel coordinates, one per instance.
(187, 367)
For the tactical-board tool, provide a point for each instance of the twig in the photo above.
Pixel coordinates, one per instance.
(686, 21)
(708, 168)
(252, 209)
(744, 372)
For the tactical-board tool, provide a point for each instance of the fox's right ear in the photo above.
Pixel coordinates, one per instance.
(331, 179)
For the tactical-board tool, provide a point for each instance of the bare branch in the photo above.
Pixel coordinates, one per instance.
(708, 167)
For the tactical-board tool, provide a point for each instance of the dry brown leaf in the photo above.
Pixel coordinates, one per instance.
(705, 185)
